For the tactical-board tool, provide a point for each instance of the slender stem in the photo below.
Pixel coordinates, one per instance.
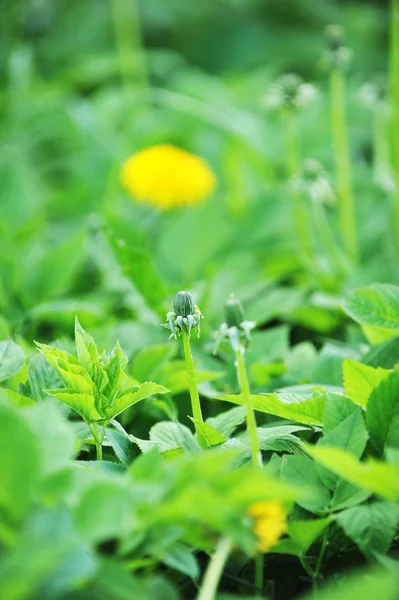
(250, 413)
(347, 212)
(394, 91)
(98, 439)
(127, 29)
(321, 554)
(300, 215)
(260, 571)
(326, 236)
(214, 571)
(192, 382)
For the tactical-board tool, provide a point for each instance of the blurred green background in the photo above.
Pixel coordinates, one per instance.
(89, 83)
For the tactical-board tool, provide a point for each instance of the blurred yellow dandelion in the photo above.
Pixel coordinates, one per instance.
(269, 523)
(167, 177)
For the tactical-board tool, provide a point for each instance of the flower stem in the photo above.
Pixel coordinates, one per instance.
(250, 413)
(394, 91)
(98, 440)
(214, 571)
(192, 385)
(129, 44)
(300, 215)
(347, 213)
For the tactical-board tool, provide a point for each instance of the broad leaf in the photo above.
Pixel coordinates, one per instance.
(301, 471)
(308, 409)
(226, 422)
(12, 359)
(371, 526)
(305, 533)
(378, 477)
(360, 380)
(168, 436)
(211, 435)
(82, 403)
(382, 417)
(376, 307)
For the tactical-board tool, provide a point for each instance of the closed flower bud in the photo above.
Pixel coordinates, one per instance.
(183, 304)
(234, 312)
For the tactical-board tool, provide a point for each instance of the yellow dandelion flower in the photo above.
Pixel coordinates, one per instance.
(167, 177)
(270, 522)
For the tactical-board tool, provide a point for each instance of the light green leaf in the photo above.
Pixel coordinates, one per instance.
(376, 307)
(19, 462)
(121, 445)
(133, 396)
(337, 409)
(295, 407)
(169, 435)
(301, 471)
(181, 558)
(82, 403)
(211, 435)
(12, 359)
(86, 348)
(73, 375)
(227, 421)
(41, 375)
(114, 370)
(382, 417)
(360, 380)
(278, 438)
(371, 526)
(305, 533)
(378, 477)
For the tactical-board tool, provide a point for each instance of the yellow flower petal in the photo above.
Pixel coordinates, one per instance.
(167, 177)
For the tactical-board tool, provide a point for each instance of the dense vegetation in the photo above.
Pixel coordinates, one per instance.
(247, 151)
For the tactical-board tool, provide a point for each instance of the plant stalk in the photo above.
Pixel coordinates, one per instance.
(214, 570)
(192, 386)
(347, 214)
(394, 92)
(250, 413)
(98, 440)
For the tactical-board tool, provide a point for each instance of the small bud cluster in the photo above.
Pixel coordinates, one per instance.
(291, 92)
(374, 94)
(185, 315)
(235, 329)
(313, 182)
(337, 55)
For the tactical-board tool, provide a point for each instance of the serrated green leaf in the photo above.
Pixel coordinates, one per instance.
(121, 445)
(295, 407)
(82, 403)
(382, 417)
(378, 477)
(131, 397)
(278, 438)
(376, 307)
(337, 409)
(41, 376)
(12, 359)
(169, 435)
(114, 369)
(371, 526)
(227, 421)
(211, 435)
(86, 348)
(360, 380)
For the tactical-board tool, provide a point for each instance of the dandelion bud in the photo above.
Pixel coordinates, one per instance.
(334, 36)
(234, 312)
(338, 55)
(183, 304)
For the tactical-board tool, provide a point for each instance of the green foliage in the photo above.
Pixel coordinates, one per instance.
(12, 359)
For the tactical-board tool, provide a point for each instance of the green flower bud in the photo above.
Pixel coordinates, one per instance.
(183, 304)
(234, 312)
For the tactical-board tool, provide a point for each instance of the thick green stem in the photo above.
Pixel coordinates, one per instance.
(192, 386)
(214, 571)
(260, 571)
(394, 91)
(98, 439)
(347, 214)
(129, 43)
(250, 413)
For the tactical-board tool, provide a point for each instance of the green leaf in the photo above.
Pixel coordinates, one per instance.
(19, 462)
(351, 435)
(363, 585)
(114, 370)
(133, 396)
(305, 533)
(73, 375)
(82, 403)
(12, 359)
(301, 471)
(169, 435)
(86, 348)
(211, 435)
(294, 407)
(121, 445)
(181, 558)
(104, 511)
(376, 306)
(337, 409)
(149, 360)
(228, 421)
(377, 477)
(382, 417)
(360, 380)
(41, 375)
(278, 438)
(371, 526)
(383, 355)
